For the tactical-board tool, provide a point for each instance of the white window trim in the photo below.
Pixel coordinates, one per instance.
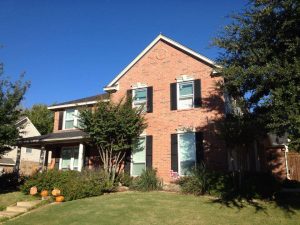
(184, 78)
(143, 102)
(178, 150)
(75, 121)
(72, 158)
(178, 94)
(143, 135)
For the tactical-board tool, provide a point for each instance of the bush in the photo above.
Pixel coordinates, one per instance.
(198, 183)
(125, 179)
(227, 185)
(73, 184)
(10, 181)
(148, 181)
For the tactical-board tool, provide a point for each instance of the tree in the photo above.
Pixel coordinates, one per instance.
(41, 117)
(261, 64)
(112, 129)
(11, 95)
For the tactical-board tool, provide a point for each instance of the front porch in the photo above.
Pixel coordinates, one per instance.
(70, 150)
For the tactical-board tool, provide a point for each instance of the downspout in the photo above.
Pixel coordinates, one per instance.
(286, 162)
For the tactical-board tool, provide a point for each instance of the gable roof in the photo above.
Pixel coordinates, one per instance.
(82, 101)
(170, 41)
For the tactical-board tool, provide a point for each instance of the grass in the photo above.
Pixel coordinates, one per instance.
(11, 198)
(155, 208)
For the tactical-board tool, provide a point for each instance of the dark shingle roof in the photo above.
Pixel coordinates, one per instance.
(86, 99)
(54, 136)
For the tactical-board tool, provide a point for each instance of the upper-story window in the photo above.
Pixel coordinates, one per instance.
(185, 95)
(71, 119)
(140, 98)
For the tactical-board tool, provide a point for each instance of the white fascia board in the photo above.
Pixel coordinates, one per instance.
(75, 104)
(161, 37)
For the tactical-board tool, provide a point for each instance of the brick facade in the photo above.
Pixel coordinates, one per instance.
(158, 68)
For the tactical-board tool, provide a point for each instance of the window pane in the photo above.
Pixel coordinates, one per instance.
(70, 114)
(66, 155)
(185, 89)
(187, 150)
(28, 150)
(69, 124)
(139, 151)
(137, 168)
(140, 94)
(186, 103)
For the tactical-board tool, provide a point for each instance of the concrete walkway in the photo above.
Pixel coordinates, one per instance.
(20, 207)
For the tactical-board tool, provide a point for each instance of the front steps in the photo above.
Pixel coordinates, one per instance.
(20, 207)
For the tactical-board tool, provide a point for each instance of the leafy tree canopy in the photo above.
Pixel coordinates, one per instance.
(261, 64)
(41, 117)
(112, 127)
(11, 95)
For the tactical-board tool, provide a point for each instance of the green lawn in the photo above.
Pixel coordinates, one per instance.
(155, 208)
(13, 197)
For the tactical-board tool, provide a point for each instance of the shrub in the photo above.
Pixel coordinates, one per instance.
(10, 181)
(198, 183)
(73, 184)
(148, 181)
(227, 185)
(125, 179)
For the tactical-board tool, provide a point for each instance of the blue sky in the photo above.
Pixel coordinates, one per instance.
(72, 49)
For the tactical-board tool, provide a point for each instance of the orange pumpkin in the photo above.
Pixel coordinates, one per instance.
(44, 193)
(60, 198)
(55, 192)
(33, 190)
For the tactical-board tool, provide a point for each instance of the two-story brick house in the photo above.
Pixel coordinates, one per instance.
(177, 88)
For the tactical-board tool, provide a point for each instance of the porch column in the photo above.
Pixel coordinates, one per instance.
(81, 156)
(18, 159)
(42, 159)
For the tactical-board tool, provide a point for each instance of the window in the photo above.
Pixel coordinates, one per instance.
(185, 95)
(139, 157)
(140, 98)
(71, 119)
(69, 158)
(28, 150)
(186, 152)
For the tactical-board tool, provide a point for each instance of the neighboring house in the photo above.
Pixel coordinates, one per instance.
(177, 88)
(29, 158)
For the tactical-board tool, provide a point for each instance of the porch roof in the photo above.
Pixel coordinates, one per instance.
(53, 138)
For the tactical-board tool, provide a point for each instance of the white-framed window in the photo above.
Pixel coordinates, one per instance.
(71, 119)
(139, 98)
(69, 159)
(185, 96)
(186, 152)
(138, 162)
(28, 150)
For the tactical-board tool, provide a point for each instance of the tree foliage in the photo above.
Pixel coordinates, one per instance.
(11, 95)
(41, 117)
(112, 128)
(261, 64)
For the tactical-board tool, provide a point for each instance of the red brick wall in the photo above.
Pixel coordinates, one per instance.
(158, 68)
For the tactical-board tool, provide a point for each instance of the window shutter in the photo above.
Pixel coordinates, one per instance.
(149, 99)
(174, 152)
(197, 93)
(173, 95)
(129, 94)
(149, 144)
(127, 161)
(199, 147)
(60, 120)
